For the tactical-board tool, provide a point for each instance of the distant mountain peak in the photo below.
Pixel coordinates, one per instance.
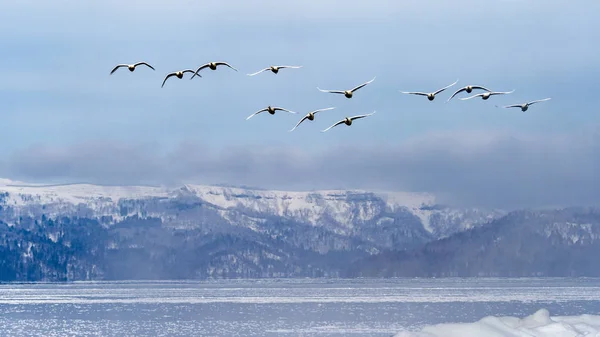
(347, 212)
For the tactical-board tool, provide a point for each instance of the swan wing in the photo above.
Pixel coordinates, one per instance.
(336, 124)
(456, 93)
(256, 113)
(464, 99)
(362, 85)
(302, 120)
(291, 67)
(331, 91)
(361, 116)
(117, 67)
(282, 109)
(191, 71)
(415, 93)
(225, 64)
(539, 100)
(144, 63)
(166, 78)
(319, 110)
(480, 87)
(444, 88)
(258, 72)
(501, 92)
(198, 70)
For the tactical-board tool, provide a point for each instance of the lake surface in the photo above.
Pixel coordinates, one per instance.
(323, 308)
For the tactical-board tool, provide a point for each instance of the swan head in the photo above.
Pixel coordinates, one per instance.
(348, 121)
(271, 110)
(274, 69)
(131, 67)
(524, 107)
(348, 94)
(468, 89)
(179, 74)
(310, 116)
(212, 66)
(486, 96)
(430, 97)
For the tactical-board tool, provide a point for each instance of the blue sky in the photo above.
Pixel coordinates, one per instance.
(66, 119)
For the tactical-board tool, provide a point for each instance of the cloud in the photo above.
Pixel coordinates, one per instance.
(466, 169)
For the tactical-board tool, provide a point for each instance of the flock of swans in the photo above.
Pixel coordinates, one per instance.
(486, 94)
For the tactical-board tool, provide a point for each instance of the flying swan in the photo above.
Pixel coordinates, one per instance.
(348, 120)
(486, 95)
(468, 89)
(310, 116)
(347, 93)
(430, 95)
(271, 110)
(179, 75)
(212, 66)
(525, 106)
(274, 69)
(131, 67)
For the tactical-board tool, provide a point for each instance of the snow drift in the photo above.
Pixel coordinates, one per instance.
(539, 324)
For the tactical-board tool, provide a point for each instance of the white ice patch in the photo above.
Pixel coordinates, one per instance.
(539, 324)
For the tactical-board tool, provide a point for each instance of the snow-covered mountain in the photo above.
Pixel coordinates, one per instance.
(554, 242)
(345, 213)
(83, 232)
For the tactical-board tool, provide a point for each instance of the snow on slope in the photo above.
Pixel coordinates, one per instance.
(278, 202)
(312, 205)
(539, 324)
(74, 193)
(309, 206)
(66, 199)
(342, 209)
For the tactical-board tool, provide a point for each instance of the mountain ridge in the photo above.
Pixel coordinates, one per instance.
(343, 206)
(523, 243)
(87, 232)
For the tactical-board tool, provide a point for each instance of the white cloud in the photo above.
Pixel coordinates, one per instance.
(500, 170)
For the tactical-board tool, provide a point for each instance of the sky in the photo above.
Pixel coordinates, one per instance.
(65, 119)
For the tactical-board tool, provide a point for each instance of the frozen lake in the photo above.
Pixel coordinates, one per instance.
(364, 307)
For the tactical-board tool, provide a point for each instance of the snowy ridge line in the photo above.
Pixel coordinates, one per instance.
(23, 184)
(341, 211)
(32, 185)
(415, 198)
(279, 202)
